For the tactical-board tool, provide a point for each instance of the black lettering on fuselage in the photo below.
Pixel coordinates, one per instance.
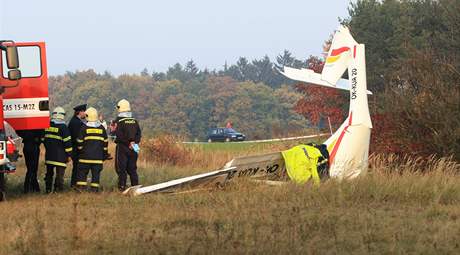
(354, 83)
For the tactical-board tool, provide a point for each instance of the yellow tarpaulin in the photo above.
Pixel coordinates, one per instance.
(301, 163)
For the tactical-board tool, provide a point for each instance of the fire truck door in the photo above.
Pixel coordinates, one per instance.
(26, 106)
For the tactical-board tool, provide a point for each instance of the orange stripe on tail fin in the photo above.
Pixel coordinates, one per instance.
(339, 140)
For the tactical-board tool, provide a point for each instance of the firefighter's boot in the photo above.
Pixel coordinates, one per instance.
(95, 187)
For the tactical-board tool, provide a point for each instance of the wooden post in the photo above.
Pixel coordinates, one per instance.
(330, 126)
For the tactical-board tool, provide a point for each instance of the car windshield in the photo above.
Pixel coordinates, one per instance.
(230, 130)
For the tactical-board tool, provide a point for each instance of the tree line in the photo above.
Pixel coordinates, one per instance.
(186, 101)
(413, 66)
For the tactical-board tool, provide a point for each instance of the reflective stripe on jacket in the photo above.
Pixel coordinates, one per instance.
(127, 131)
(58, 144)
(92, 145)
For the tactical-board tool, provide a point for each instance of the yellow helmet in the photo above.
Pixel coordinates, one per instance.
(91, 114)
(123, 106)
(58, 113)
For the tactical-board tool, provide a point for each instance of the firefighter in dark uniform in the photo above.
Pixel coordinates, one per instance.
(128, 137)
(58, 146)
(31, 140)
(92, 151)
(75, 124)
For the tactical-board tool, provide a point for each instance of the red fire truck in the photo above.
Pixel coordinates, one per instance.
(23, 96)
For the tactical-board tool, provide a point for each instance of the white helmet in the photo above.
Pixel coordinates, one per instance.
(123, 106)
(58, 113)
(91, 114)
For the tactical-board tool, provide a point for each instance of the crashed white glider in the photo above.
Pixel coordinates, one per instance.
(348, 146)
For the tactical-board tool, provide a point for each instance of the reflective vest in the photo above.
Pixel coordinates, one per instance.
(301, 163)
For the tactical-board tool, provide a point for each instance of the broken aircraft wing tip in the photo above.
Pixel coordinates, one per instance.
(131, 191)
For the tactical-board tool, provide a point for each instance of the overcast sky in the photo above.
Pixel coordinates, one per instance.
(126, 36)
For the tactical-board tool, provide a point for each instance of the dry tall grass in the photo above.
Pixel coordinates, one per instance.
(168, 150)
(402, 206)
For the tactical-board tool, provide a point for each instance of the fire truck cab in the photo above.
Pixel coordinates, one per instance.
(24, 102)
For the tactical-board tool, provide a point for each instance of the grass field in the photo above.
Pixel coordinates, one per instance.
(398, 208)
(248, 146)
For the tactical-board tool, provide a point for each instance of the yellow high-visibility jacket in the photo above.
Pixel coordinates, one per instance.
(301, 163)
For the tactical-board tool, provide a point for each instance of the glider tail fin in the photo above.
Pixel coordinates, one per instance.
(339, 56)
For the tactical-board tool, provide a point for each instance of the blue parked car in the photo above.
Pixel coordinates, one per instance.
(224, 135)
